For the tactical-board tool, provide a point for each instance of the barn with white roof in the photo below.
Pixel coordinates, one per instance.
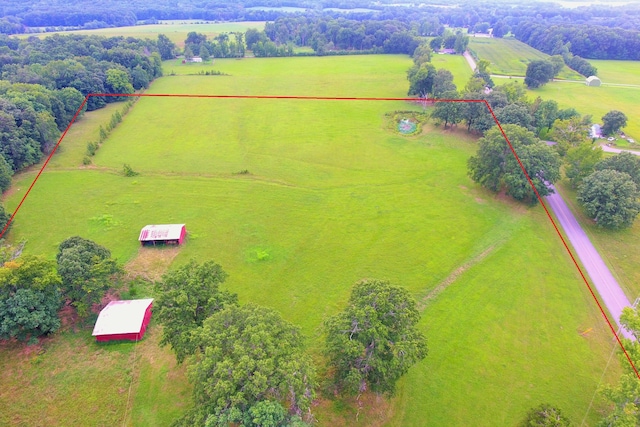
(123, 320)
(167, 234)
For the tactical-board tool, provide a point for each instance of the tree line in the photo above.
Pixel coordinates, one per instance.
(44, 82)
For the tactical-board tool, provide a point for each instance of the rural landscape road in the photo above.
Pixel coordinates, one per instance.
(617, 150)
(606, 285)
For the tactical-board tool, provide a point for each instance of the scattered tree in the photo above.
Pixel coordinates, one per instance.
(166, 47)
(29, 299)
(613, 121)
(442, 83)
(185, 298)
(496, 168)
(624, 162)
(538, 73)
(421, 79)
(87, 271)
(545, 415)
(448, 112)
(374, 341)
(249, 361)
(610, 198)
(581, 162)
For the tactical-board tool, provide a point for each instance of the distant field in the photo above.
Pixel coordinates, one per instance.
(176, 31)
(457, 65)
(510, 56)
(620, 72)
(332, 196)
(596, 101)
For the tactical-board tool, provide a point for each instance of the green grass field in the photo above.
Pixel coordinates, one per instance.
(332, 196)
(176, 31)
(619, 72)
(457, 65)
(510, 57)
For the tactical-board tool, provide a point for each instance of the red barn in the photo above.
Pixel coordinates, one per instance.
(168, 234)
(123, 320)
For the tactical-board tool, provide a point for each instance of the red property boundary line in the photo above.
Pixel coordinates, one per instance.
(326, 98)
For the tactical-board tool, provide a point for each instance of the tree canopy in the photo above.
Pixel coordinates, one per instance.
(495, 167)
(29, 298)
(613, 121)
(87, 271)
(374, 340)
(545, 415)
(538, 73)
(610, 198)
(624, 162)
(186, 297)
(250, 362)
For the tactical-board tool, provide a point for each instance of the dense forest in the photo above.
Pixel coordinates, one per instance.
(44, 82)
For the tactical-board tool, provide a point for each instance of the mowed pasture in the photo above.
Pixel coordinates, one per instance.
(330, 196)
(618, 72)
(175, 30)
(510, 57)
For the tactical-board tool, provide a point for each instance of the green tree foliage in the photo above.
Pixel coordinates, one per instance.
(495, 167)
(374, 340)
(569, 133)
(545, 415)
(140, 79)
(558, 63)
(610, 198)
(625, 395)
(538, 73)
(250, 362)
(436, 43)
(29, 299)
(421, 79)
(442, 83)
(448, 112)
(166, 47)
(87, 272)
(118, 82)
(483, 66)
(515, 114)
(4, 219)
(422, 54)
(204, 52)
(461, 43)
(581, 162)
(613, 121)
(188, 53)
(5, 174)
(545, 114)
(624, 162)
(185, 298)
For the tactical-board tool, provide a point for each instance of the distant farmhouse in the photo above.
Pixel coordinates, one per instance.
(593, 81)
(165, 234)
(447, 51)
(596, 131)
(194, 59)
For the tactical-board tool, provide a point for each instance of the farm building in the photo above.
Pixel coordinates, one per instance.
(167, 234)
(596, 131)
(593, 81)
(123, 320)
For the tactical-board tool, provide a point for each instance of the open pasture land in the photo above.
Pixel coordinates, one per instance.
(176, 31)
(510, 57)
(457, 65)
(618, 72)
(596, 101)
(297, 200)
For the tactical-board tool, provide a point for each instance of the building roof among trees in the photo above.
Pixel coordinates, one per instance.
(121, 317)
(161, 232)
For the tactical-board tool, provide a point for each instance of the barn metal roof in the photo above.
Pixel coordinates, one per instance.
(121, 317)
(161, 232)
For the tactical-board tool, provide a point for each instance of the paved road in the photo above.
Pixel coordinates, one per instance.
(606, 285)
(617, 150)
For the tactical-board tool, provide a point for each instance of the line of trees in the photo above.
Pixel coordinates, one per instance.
(44, 82)
(248, 365)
